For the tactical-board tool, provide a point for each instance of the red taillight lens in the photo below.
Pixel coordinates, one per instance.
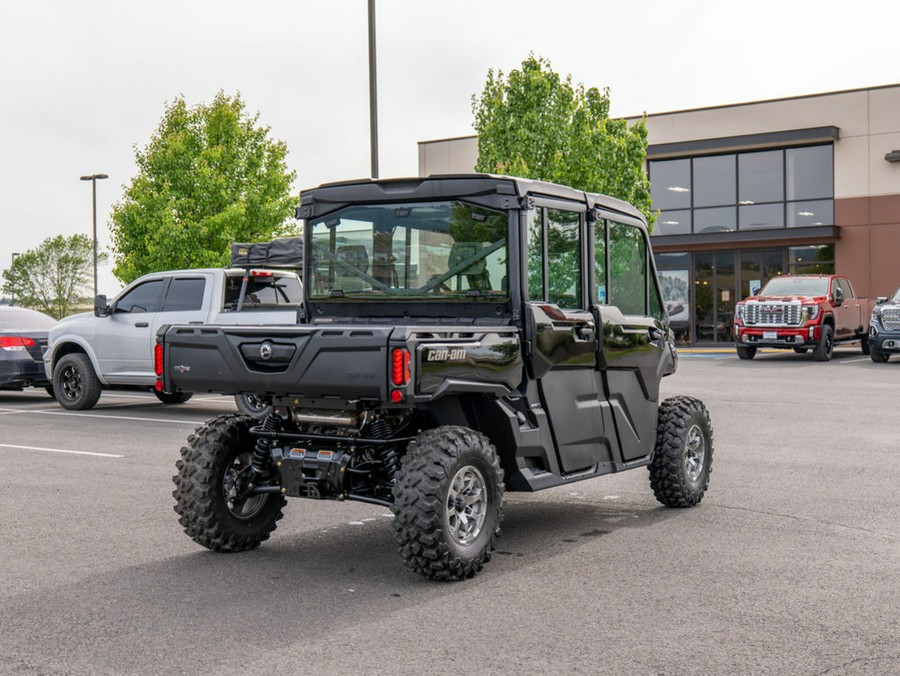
(262, 273)
(400, 366)
(15, 343)
(158, 360)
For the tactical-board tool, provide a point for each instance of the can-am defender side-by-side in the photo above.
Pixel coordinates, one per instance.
(461, 336)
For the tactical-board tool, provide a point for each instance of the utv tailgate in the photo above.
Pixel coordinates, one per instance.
(307, 361)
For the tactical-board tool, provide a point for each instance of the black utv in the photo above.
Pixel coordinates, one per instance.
(461, 336)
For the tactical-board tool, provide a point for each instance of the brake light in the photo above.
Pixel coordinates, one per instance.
(15, 343)
(158, 360)
(262, 273)
(400, 366)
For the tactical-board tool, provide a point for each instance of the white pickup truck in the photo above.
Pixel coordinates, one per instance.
(113, 347)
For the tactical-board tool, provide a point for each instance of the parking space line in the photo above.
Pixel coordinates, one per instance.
(60, 450)
(118, 417)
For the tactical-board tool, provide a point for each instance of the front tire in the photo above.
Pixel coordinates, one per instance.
(173, 397)
(825, 348)
(746, 351)
(877, 355)
(213, 472)
(75, 385)
(801, 350)
(448, 503)
(682, 459)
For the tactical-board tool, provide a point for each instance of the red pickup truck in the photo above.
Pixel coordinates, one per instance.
(802, 312)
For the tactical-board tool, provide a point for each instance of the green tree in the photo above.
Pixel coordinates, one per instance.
(209, 176)
(535, 124)
(56, 277)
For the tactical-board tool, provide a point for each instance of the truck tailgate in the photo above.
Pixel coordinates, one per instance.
(307, 361)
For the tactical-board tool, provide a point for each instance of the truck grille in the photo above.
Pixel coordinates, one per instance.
(772, 314)
(890, 317)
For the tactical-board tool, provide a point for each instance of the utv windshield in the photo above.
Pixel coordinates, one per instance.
(796, 286)
(416, 251)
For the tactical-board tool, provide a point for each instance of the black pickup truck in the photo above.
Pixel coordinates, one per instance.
(461, 336)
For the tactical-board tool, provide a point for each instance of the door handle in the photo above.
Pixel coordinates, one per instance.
(584, 331)
(141, 325)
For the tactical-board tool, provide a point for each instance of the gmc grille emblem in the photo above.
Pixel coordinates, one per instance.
(265, 351)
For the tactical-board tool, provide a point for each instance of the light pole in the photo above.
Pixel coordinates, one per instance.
(93, 178)
(373, 92)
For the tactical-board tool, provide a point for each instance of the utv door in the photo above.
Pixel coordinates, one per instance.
(635, 349)
(562, 336)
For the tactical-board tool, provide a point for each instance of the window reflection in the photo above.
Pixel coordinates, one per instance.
(792, 187)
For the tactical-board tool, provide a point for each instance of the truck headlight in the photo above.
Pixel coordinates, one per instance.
(809, 312)
(739, 312)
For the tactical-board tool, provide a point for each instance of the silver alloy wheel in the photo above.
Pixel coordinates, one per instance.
(234, 483)
(694, 453)
(467, 505)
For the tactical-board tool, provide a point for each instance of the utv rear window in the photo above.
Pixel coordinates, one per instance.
(445, 251)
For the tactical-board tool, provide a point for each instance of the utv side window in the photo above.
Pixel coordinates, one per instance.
(554, 257)
(600, 260)
(628, 269)
(564, 258)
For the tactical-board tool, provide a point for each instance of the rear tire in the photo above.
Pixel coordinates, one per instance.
(746, 352)
(214, 467)
(825, 348)
(75, 385)
(448, 503)
(682, 458)
(864, 344)
(173, 397)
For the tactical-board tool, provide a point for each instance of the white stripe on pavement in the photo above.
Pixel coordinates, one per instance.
(61, 450)
(119, 417)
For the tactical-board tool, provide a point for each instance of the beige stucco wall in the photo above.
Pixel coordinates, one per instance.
(448, 156)
(869, 123)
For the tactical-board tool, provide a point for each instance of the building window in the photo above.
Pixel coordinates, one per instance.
(791, 187)
(811, 260)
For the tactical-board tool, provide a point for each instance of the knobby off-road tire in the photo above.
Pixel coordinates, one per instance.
(173, 397)
(878, 355)
(825, 348)
(682, 459)
(215, 461)
(746, 352)
(253, 405)
(448, 503)
(75, 385)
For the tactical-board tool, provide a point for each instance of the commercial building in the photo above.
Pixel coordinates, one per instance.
(750, 191)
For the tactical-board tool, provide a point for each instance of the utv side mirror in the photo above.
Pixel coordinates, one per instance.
(881, 300)
(101, 309)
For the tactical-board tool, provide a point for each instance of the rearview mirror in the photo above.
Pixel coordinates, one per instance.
(101, 309)
(881, 300)
(838, 296)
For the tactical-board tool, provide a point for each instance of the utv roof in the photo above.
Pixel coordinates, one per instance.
(506, 191)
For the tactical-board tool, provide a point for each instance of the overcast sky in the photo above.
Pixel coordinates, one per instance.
(83, 83)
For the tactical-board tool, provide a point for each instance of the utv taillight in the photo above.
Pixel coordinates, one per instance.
(158, 360)
(400, 366)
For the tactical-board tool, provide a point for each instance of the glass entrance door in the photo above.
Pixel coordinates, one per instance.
(714, 296)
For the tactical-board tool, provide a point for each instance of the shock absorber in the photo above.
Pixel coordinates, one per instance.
(381, 429)
(261, 451)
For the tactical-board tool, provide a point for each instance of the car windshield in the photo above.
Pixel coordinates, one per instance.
(415, 251)
(796, 286)
(21, 319)
(896, 297)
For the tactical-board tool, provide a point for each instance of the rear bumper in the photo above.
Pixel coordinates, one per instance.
(18, 373)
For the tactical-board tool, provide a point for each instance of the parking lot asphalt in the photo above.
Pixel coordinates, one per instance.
(790, 564)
